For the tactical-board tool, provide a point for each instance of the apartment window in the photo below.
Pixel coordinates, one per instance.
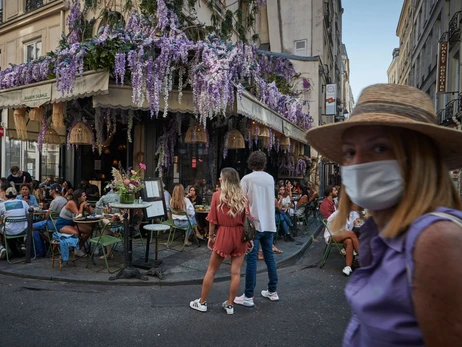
(300, 48)
(32, 5)
(1, 11)
(32, 50)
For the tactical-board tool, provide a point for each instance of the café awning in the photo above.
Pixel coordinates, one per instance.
(37, 94)
(120, 97)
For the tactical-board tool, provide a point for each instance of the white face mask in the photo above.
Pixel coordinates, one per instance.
(375, 186)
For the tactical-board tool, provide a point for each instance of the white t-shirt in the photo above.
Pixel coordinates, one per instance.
(259, 188)
(350, 223)
(14, 208)
(189, 211)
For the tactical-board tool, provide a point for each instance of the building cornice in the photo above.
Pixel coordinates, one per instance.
(26, 19)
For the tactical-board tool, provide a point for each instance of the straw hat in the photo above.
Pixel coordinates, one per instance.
(391, 105)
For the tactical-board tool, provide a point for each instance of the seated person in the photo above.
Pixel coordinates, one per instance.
(18, 177)
(91, 191)
(13, 207)
(65, 223)
(106, 200)
(197, 200)
(56, 205)
(288, 187)
(284, 219)
(26, 195)
(296, 187)
(328, 206)
(347, 236)
(67, 190)
(312, 193)
(179, 203)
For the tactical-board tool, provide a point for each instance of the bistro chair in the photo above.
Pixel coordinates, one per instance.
(173, 228)
(49, 230)
(331, 243)
(22, 235)
(104, 241)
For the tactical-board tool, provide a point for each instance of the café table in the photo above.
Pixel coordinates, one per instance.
(203, 211)
(153, 266)
(39, 214)
(129, 271)
(87, 220)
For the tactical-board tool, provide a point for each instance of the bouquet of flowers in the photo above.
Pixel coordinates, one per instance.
(127, 181)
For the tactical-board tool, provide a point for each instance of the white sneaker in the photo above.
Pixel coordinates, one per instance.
(354, 253)
(2, 253)
(347, 270)
(228, 308)
(244, 301)
(273, 296)
(343, 251)
(196, 305)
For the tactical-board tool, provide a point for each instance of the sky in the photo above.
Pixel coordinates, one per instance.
(369, 34)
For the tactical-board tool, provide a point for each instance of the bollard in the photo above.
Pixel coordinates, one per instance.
(29, 236)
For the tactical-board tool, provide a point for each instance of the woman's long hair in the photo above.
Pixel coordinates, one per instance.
(177, 201)
(231, 193)
(428, 184)
(76, 196)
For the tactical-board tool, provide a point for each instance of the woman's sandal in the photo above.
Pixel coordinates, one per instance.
(277, 250)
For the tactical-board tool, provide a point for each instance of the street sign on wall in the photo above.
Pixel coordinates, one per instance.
(442, 67)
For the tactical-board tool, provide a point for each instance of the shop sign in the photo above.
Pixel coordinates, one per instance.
(442, 67)
(331, 99)
(2, 131)
(36, 95)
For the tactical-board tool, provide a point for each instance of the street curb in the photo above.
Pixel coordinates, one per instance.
(153, 281)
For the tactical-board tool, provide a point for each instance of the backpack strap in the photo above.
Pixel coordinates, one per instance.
(414, 232)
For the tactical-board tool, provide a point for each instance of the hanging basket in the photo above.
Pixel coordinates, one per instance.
(195, 134)
(58, 115)
(235, 139)
(36, 114)
(80, 135)
(285, 142)
(19, 116)
(259, 129)
(52, 137)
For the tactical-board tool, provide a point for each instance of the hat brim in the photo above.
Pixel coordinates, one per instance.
(327, 139)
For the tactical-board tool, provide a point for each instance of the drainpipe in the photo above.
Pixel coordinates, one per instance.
(62, 21)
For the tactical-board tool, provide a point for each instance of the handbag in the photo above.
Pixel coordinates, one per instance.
(249, 231)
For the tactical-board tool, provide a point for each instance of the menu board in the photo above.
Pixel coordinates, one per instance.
(154, 193)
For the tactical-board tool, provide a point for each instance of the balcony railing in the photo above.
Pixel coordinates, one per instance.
(32, 5)
(1, 15)
(452, 109)
(454, 24)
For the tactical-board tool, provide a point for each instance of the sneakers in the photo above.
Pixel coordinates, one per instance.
(196, 305)
(23, 249)
(343, 251)
(273, 296)
(347, 270)
(228, 308)
(244, 301)
(2, 253)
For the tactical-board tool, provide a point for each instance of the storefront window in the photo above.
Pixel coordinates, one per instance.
(23, 154)
(50, 161)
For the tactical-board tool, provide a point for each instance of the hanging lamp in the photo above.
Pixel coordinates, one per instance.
(51, 137)
(19, 116)
(57, 116)
(195, 134)
(80, 135)
(36, 114)
(235, 139)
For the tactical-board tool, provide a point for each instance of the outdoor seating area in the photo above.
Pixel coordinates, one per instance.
(176, 262)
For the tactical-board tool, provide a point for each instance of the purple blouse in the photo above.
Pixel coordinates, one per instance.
(380, 292)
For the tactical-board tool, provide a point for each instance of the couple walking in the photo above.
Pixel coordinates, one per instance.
(226, 221)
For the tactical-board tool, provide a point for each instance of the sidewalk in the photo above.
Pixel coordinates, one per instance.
(178, 268)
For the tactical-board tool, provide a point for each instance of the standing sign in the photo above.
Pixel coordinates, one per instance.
(331, 99)
(442, 67)
(154, 192)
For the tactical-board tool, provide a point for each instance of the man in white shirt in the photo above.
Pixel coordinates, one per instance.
(259, 188)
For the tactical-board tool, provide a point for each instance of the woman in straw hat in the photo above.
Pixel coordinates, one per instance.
(395, 163)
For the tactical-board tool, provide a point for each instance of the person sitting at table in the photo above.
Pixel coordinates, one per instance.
(27, 196)
(179, 203)
(3, 187)
(193, 197)
(346, 235)
(312, 193)
(91, 190)
(288, 185)
(56, 205)
(13, 208)
(67, 190)
(284, 219)
(296, 187)
(109, 198)
(37, 191)
(65, 223)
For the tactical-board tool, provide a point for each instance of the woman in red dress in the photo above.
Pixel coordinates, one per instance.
(227, 212)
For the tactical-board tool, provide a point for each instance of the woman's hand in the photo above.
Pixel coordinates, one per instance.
(250, 245)
(211, 242)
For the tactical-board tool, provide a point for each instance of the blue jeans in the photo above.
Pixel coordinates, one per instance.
(184, 224)
(40, 226)
(266, 240)
(284, 221)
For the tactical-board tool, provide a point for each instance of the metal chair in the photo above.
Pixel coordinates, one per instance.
(173, 228)
(104, 241)
(332, 242)
(50, 229)
(11, 221)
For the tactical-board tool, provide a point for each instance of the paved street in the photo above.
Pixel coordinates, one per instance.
(312, 312)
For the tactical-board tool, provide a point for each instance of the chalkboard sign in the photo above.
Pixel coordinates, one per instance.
(154, 192)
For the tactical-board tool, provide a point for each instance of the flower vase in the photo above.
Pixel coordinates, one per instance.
(127, 198)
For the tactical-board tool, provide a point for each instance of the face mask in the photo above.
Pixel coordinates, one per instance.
(15, 175)
(375, 186)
